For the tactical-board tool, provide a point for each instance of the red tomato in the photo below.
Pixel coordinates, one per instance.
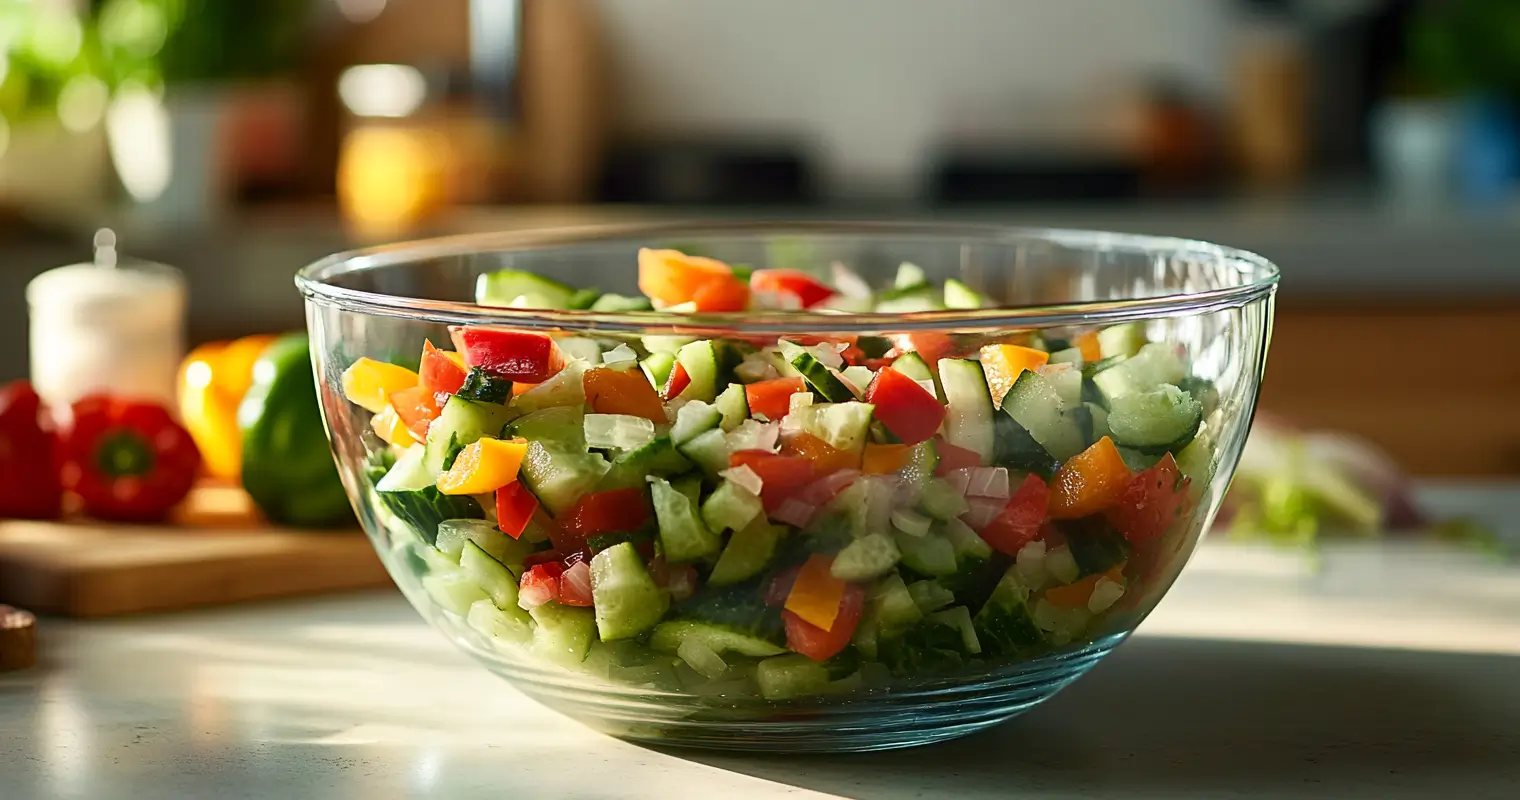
(602, 512)
(540, 584)
(807, 289)
(772, 399)
(515, 506)
(782, 476)
(931, 346)
(819, 644)
(952, 458)
(1021, 520)
(677, 382)
(441, 371)
(575, 585)
(1151, 503)
(909, 412)
(519, 356)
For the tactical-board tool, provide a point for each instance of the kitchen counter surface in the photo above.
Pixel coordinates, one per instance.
(1388, 672)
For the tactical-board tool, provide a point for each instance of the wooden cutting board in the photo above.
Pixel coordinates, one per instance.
(214, 551)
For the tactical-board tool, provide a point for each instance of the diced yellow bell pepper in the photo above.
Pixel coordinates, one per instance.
(884, 459)
(1004, 362)
(816, 594)
(485, 466)
(389, 427)
(367, 383)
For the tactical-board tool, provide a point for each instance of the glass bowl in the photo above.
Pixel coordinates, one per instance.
(978, 592)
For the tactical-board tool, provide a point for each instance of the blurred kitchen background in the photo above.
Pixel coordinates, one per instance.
(1370, 147)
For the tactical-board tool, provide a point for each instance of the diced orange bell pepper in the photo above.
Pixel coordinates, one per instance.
(672, 277)
(417, 408)
(728, 294)
(368, 383)
(816, 593)
(484, 466)
(1089, 482)
(1003, 363)
(1075, 595)
(826, 458)
(389, 427)
(1088, 344)
(628, 392)
(884, 459)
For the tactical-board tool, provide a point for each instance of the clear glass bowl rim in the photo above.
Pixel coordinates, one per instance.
(314, 281)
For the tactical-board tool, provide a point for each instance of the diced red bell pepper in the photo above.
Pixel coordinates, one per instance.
(1151, 503)
(1022, 520)
(782, 476)
(575, 585)
(441, 371)
(540, 584)
(128, 460)
(602, 512)
(521, 356)
(819, 644)
(931, 346)
(808, 290)
(910, 412)
(772, 399)
(952, 458)
(417, 407)
(677, 382)
(515, 507)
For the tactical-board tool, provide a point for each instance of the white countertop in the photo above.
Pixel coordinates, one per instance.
(1392, 672)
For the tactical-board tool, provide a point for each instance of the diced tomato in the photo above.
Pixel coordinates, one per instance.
(1151, 503)
(952, 458)
(819, 644)
(442, 371)
(515, 355)
(1089, 482)
(1022, 520)
(611, 391)
(729, 294)
(782, 476)
(540, 584)
(826, 458)
(575, 585)
(807, 289)
(772, 399)
(909, 411)
(931, 346)
(679, 380)
(417, 407)
(602, 512)
(515, 507)
(672, 277)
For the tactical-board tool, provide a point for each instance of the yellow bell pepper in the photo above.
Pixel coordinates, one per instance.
(1003, 364)
(485, 466)
(389, 427)
(816, 594)
(368, 383)
(212, 382)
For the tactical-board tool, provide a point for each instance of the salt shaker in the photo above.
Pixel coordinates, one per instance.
(106, 327)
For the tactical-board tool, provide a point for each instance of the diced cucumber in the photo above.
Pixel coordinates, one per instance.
(1066, 380)
(922, 461)
(616, 303)
(968, 406)
(1155, 364)
(563, 427)
(408, 473)
(818, 376)
(1094, 544)
(913, 366)
(859, 379)
(559, 478)
(689, 486)
(1071, 355)
(694, 418)
(894, 604)
(1097, 423)
(486, 387)
(866, 558)
(959, 618)
(941, 500)
(683, 536)
(627, 600)
(959, 295)
(502, 289)
(930, 596)
(1124, 339)
(700, 359)
(708, 450)
(749, 551)
(909, 276)
(661, 343)
(462, 422)
(657, 368)
(1060, 564)
(669, 636)
(790, 676)
(581, 347)
(507, 624)
(963, 540)
(617, 432)
(843, 425)
(932, 556)
(1196, 461)
(1015, 448)
(563, 633)
(733, 405)
(1159, 421)
(453, 590)
(731, 507)
(1004, 624)
(629, 470)
(565, 388)
(1202, 390)
(490, 575)
(1034, 404)
(866, 505)
(584, 299)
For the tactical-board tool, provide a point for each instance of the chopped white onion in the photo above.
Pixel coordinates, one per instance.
(1104, 594)
(701, 658)
(798, 400)
(1030, 563)
(928, 386)
(910, 522)
(960, 479)
(533, 595)
(848, 283)
(983, 511)
(823, 490)
(794, 512)
(858, 379)
(577, 579)
(754, 435)
(617, 431)
(990, 482)
(828, 353)
(620, 357)
(745, 478)
(755, 368)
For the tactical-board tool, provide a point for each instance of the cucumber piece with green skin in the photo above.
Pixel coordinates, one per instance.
(461, 423)
(408, 474)
(627, 600)
(453, 590)
(700, 359)
(502, 288)
(913, 366)
(658, 457)
(563, 633)
(941, 500)
(1094, 544)
(485, 387)
(683, 535)
(615, 304)
(909, 301)
(583, 299)
(454, 533)
(866, 558)
(694, 418)
(1069, 355)
(894, 604)
(1202, 390)
(1155, 422)
(818, 377)
(791, 676)
(708, 450)
(923, 459)
(845, 426)
(1004, 625)
(1015, 448)
(748, 552)
(1155, 364)
(563, 427)
(1034, 404)
(581, 347)
(690, 486)
(657, 368)
(968, 406)
(669, 636)
(1066, 380)
(909, 276)
(1097, 423)
(731, 507)
(490, 575)
(930, 595)
(733, 405)
(423, 509)
(930, 556)
(964, 541)
(663, 343)
(959, 295)
(558, 478)
(1124, 339)
(287, 464)
(1196, 461)
(507, 624)
(959, 618)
